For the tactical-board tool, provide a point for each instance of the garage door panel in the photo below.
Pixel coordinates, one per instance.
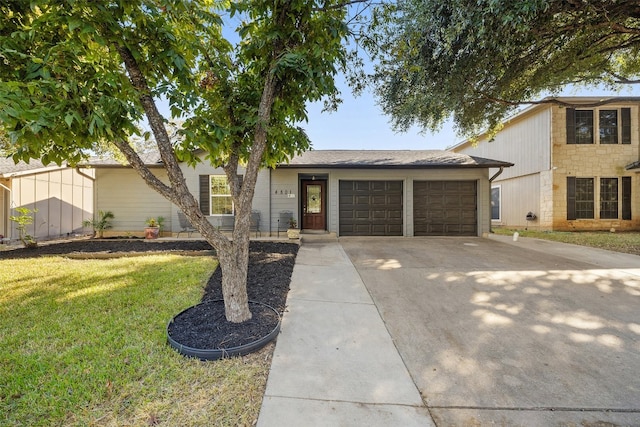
(445, 208)
(371, 208)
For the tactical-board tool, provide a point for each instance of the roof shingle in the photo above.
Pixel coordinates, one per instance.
(390, 159)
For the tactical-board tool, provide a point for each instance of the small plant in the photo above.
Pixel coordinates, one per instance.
(22, 220)
(156, 222)
(103, 222)
(293, 223)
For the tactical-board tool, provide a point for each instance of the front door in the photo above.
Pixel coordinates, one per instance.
(314, 205)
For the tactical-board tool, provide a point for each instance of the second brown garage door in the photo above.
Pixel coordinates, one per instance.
(445, 208)
(371, 208)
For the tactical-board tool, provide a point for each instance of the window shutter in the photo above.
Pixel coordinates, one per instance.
(571, 126)
(205, 195)
(625, 116)
(571, 197)
(626, 197)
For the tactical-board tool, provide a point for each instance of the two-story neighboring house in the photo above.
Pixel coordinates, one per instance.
(577, 165)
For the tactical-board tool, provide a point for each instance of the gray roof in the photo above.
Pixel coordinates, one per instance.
(151, 158)
(8, 166)
(390, 159)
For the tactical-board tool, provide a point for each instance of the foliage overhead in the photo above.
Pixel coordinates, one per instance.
(478, 60)
(64, 89)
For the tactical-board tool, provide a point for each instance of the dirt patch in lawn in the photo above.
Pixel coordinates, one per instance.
(270, 268)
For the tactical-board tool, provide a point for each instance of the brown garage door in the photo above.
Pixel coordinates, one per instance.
(444, 208)
(371, 208)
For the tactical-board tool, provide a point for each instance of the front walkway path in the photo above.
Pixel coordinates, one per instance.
(335, 362)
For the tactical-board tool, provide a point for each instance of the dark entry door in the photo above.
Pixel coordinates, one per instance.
(314, 205)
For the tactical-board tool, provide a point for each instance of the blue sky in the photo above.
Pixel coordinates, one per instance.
(360, 125)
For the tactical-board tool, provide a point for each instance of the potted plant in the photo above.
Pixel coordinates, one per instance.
(293, 232)
(103, 222)
(153, 228)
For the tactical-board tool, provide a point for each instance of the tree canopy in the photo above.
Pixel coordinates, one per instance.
(478, 60)
(78, 74)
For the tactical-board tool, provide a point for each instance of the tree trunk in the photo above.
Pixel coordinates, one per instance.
(234, 263)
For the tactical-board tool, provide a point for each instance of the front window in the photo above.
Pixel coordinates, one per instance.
(608, 198)
(495, 203)
(608, 126)
(584, 198)
(221, 201)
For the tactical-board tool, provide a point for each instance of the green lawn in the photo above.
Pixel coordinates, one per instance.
(627, 242)
(84, 343)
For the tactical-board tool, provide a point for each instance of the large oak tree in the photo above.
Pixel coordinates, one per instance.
(476, 60)
(76, 74)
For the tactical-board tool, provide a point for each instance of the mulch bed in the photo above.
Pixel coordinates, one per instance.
(270, 268)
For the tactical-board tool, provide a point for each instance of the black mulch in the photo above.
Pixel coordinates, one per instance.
(106, 246)
(269, 276)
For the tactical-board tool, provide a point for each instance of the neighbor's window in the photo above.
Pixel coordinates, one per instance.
(608, 126)
(608, 198)
(495, 203)
(221, 201)
(584, 127)
(584, 198)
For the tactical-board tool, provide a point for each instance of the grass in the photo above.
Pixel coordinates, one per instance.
(626, 242)
(84, 343)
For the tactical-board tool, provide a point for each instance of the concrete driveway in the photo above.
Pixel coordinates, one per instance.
(497, 333)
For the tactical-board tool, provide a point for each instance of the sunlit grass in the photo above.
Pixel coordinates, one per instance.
(84, 343)
(627, 242)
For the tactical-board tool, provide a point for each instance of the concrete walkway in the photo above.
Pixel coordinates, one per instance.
(335, 363)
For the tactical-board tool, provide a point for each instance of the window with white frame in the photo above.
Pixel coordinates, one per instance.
(221, 200)
(496, 195)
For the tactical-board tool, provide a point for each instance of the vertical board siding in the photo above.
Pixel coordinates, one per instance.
(519, 197)
(526, 143)
(63, 198)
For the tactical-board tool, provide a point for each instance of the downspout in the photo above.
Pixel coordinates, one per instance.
(84, 174)
(4, 207)
(94, 193)
(497, 174)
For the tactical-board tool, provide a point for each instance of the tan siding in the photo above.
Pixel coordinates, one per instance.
(284, 182)
(261, 198)
(520, 196)
(132, 202)
(525, 143)
(57, 195)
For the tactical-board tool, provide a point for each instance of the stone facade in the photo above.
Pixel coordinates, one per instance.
(593, 161)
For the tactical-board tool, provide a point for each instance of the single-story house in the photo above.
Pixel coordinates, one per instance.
(346, 192)
(63, 197)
